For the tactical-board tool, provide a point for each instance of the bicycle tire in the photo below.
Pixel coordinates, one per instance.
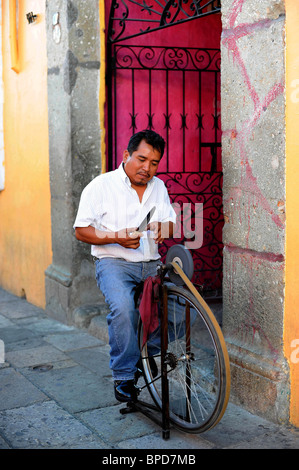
(199, 379)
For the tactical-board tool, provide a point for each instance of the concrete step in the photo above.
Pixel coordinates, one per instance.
(98, 328)
(92, 318)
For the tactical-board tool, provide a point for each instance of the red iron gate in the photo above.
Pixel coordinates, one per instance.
(176, 91)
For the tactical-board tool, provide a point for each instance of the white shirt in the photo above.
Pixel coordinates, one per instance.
(109, 203)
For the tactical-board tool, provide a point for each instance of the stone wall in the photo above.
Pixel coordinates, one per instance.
(253, 125)
(73, 41)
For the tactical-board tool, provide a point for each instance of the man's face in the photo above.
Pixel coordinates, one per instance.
(142, 165)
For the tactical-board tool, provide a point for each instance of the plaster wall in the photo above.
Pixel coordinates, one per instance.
(25, 227)
(291, 324)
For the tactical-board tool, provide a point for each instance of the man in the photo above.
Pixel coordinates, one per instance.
(112, 206)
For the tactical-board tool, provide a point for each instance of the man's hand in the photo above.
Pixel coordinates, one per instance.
(128, 238)
(161, 230)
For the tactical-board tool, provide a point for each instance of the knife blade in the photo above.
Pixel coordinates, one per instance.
(146, 220)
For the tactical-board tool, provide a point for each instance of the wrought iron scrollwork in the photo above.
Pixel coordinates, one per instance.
(167, 58)
(127, 16)
(194, 189)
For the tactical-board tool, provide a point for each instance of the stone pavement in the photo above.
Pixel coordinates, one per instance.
(56, 392)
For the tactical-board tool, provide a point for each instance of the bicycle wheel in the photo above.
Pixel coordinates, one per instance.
(197, 363)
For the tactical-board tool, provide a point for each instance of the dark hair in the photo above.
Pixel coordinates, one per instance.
(150, 137)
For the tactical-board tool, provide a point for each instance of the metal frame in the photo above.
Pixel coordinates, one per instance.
(168, 59)
(160, 416)
(154, 15)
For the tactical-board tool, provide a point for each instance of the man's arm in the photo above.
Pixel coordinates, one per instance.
(98, 237)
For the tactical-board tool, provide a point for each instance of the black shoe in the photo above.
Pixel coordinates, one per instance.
(152, 364)
(125, 390)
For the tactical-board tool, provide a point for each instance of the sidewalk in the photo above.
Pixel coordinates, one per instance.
(56, 392)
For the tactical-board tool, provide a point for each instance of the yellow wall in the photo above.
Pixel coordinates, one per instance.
(25, 224)
(291, 327)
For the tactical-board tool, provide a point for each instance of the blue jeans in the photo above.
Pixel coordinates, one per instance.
(117, 279)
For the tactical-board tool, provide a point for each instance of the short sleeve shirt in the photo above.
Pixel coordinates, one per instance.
(109, 203)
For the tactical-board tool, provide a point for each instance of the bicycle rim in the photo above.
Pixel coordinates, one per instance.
(198, 367)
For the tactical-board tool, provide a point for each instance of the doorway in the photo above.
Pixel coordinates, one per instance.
(163, 73)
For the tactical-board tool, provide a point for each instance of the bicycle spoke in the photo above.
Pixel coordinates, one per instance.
(197, 391)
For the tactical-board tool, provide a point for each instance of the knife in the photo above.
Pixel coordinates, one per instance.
(146, 220)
